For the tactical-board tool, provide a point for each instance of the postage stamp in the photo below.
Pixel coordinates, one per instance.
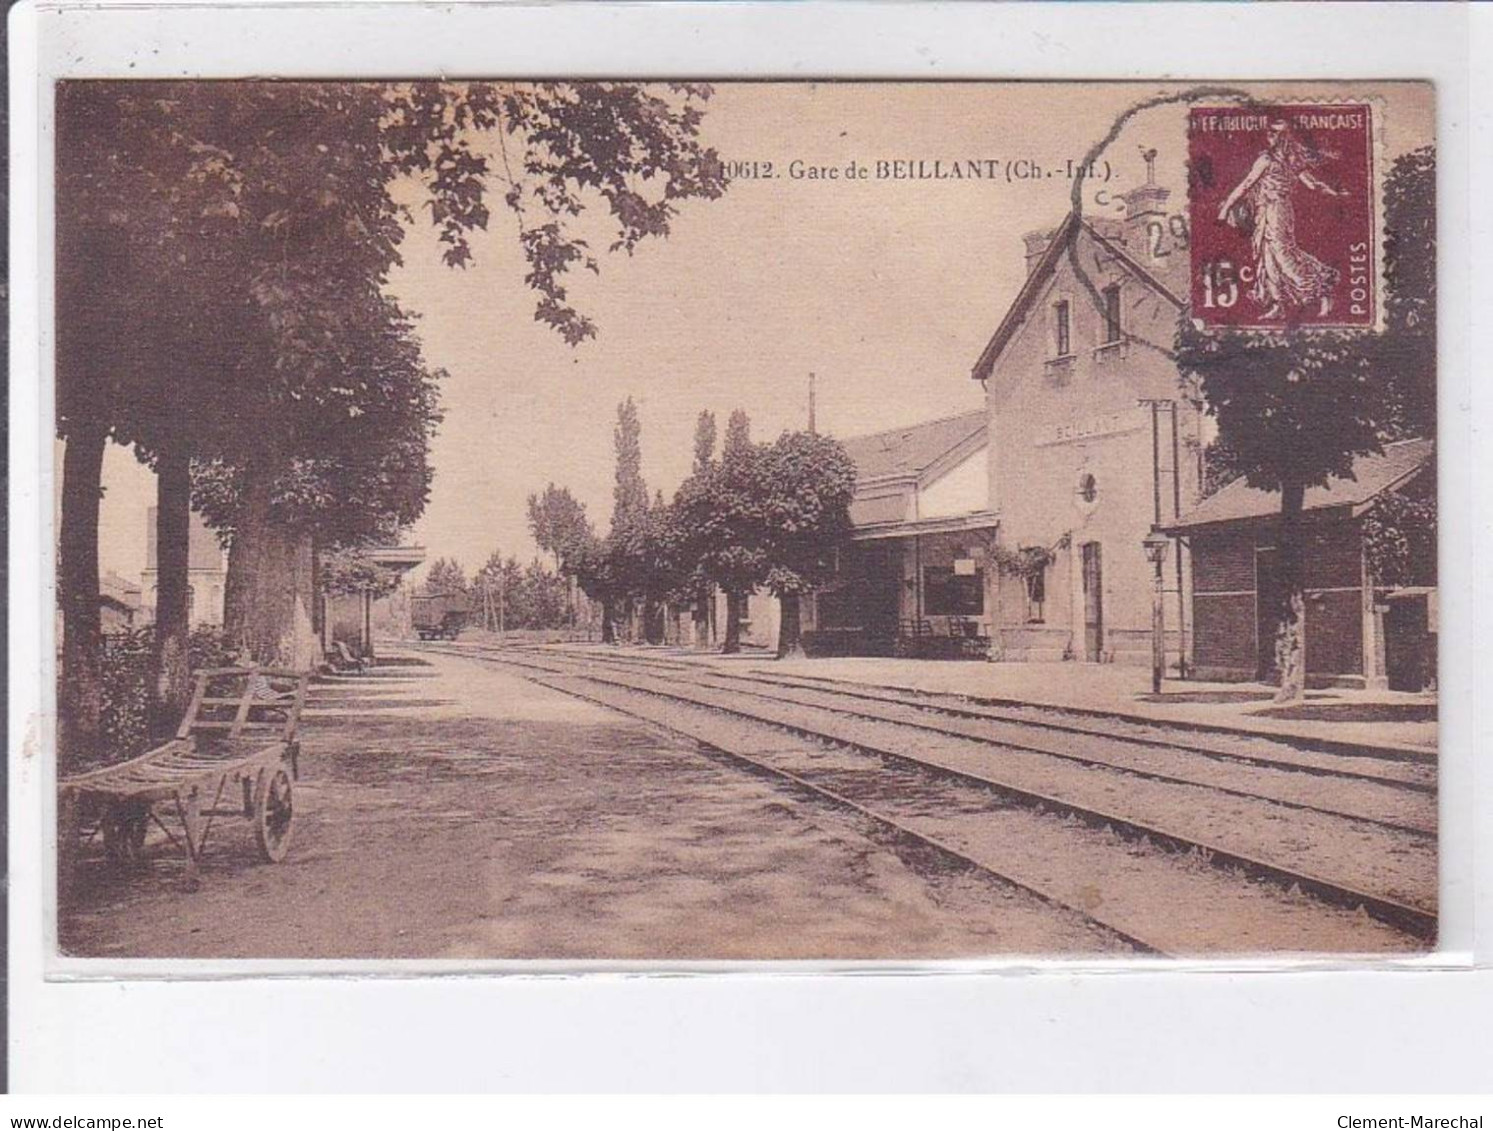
(1282, 214)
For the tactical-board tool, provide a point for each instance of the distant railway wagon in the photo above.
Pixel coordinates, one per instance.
(439, 616)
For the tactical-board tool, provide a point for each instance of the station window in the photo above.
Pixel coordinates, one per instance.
(1063, 323)
(950, 594)
(1036, 596)
(1111, 314)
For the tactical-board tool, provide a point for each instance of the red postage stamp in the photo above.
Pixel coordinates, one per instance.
(1283, 216)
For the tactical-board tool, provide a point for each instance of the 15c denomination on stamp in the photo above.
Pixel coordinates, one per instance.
(1282, 201)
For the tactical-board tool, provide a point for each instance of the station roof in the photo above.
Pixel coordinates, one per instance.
(1372, 476)
(1044, 269)
(912, 450)
(397, 557)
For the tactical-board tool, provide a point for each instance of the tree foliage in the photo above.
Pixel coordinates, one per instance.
(629, 491)
(350, 569)
(445, 576)
(719, 513)
(806, 483)
(224, 252)
(704, 440)
(558, 522)
(512, 596)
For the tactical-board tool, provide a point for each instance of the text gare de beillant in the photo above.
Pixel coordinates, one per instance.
(918, 169)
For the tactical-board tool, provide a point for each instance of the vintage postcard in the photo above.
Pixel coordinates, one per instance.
(665, 522)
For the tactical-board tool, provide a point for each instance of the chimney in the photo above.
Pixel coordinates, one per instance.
(1143, 205)
(1036, 243)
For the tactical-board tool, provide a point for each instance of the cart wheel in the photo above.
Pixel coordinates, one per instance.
(273, 814)
(124, 826)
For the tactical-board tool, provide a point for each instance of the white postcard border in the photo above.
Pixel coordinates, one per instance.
(58, 1029)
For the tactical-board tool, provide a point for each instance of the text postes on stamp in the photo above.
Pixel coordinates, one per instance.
(1283, 218)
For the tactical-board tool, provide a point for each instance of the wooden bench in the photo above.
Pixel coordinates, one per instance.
(235, 755)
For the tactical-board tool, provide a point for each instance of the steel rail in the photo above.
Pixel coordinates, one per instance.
(921, 700)
(1412, 920)
(840, 800)
(1013, 744)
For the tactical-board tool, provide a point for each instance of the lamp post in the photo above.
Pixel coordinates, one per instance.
(1156, 546)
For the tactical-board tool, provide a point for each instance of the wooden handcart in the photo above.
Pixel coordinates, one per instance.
(234, 755)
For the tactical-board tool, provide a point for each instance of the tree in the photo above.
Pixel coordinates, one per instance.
(445, 576)
(560, 527)
(718, 511)
(740, 559)
(701, 591)
(627, 541)
(558, 522)
(349, 468)
(808, 481)
(1295, 410)
(738, 435)
(1407, 349)
(349, 569)
(629, 492)
(704, 440)
(141, 253)
(283, 190)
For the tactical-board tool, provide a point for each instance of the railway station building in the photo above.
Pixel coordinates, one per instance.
(1360, 631)
(1017, 531)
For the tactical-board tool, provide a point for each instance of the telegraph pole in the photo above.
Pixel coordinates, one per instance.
(812, 430)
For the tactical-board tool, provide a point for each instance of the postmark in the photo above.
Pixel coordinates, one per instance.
(1282, 204)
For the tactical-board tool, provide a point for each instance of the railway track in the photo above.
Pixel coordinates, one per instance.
(928, 772)
(1406, 806)
(1414, 770)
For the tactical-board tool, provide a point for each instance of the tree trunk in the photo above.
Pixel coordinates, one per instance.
(608, 629)
(790, 629)
(80, 691)
(655, 613)
(267, 606)
(701, 611)
(732, 643)
(1290, 636)
(173, 674)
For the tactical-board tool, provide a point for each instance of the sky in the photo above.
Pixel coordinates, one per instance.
(886, 289)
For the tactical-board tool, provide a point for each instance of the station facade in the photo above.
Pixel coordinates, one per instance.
(1017, 531)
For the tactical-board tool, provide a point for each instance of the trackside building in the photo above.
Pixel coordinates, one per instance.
(1359, 631)
(1016, 531)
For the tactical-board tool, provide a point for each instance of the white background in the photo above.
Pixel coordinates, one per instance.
(1348, 1030)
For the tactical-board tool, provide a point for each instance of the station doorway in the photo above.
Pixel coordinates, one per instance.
(1093, 602)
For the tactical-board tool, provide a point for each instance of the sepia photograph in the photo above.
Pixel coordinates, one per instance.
(667, 522)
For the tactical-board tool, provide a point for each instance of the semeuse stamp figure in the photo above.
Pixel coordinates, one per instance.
(1286, 274)
(1283, 216)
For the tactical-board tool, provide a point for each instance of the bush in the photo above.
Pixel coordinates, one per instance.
(125, 685)
(207, 647)
(128, 671)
